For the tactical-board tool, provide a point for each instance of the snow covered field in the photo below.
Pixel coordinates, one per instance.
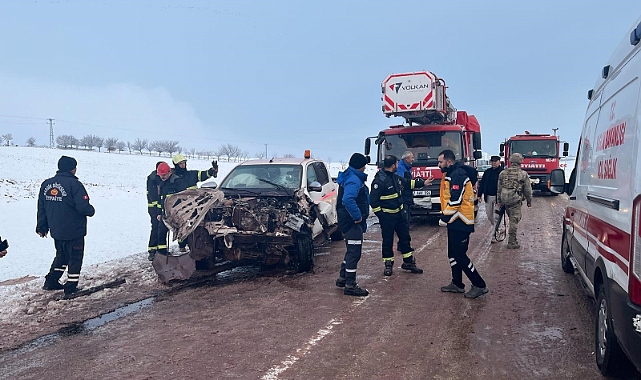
(116, 186)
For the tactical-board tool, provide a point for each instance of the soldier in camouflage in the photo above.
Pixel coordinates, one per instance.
(514, 185)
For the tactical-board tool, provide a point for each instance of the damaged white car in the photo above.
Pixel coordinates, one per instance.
(264, 211)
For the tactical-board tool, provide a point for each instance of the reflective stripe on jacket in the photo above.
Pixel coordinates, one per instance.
(458, 199)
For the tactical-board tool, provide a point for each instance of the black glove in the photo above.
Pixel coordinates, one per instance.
(418, 182)
(3, 245)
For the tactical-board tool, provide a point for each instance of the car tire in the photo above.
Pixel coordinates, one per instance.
(305, 253)
(608, 353)
(566, 263)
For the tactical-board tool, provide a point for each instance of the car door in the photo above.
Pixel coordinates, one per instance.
(577, 211)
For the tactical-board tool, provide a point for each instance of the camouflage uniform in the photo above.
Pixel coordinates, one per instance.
(513, 177)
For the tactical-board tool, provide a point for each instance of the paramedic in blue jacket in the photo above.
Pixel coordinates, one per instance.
(352, 208)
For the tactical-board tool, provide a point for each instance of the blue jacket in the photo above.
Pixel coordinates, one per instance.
(404, 167)
(353, 198)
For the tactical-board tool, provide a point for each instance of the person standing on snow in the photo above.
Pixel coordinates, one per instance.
(387, 203)
(457, 199)
(188, 179)
(63, 208)
(352, 208)
(166, 187)
(154, 209)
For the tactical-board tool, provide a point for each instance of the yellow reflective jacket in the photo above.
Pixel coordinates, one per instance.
(457, 198)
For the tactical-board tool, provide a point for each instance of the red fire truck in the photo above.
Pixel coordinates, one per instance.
(540, 156)
(431, 125)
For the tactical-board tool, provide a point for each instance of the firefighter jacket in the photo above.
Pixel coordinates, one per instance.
(188, 179)
(353, 199)
(167, 188)
(404, 171)
(153, 194)
(63, 207)
(488, 184)
(387, 192)
(457, 199)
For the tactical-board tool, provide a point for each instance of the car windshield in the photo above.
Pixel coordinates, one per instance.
(426, 146)
(268, 176)
(534, 148)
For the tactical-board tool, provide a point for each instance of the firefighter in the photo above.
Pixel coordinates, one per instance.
(188, 179)
(63, 208)
(387, 204)
(167, 186)
(154, 209)
(404, 171)
(352, 207)
(457, 198)
(513, 186)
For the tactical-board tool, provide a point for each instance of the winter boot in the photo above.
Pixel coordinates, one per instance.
(389, 268)
(340, 282)
(70, 289)
(411, 266)
(183, 249)
(52, 285)
(476, 292)
(355, 290)
(152, 254)
(513, 244)
(452, 288)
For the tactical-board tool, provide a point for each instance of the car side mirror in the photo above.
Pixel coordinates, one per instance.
(478, 154)
(315, 186)
(501, 149)
(209, 185)
(557, 181)
(476, 140)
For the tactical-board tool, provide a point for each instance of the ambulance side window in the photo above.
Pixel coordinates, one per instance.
(584, 166)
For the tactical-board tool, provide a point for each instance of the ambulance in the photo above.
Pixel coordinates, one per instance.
(601, 237)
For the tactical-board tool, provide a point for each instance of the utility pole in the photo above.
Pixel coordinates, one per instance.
(555, 129)
(51, 143)
(266, 151)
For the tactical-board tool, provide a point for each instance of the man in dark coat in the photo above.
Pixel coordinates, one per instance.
(63, 208)
(488, 186)
(352, 208)
(154, 209)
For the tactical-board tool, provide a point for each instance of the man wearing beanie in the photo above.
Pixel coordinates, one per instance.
(63, 208)
(352, 208)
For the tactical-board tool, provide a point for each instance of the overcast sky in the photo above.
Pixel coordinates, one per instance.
(295, 74)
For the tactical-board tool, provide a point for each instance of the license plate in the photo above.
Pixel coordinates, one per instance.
(423, 193)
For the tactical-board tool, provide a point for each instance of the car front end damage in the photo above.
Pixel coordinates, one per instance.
(243, 226)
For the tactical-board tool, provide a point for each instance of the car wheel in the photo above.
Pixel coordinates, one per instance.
(305, 253)
(609, 356)
(566, 263)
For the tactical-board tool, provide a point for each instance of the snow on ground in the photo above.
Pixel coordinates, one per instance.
(116, 186)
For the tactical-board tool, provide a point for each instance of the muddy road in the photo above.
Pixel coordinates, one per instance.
(536, 322)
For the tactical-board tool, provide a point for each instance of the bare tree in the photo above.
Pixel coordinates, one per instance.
(192, 152)
(64, 141)
(120, 145)
(110, 144)
(7, 137)
(157, 146)
(98, 141)
(171, 146)
(74, 141)
(289, 155)
(129, 147)
(31, 142)
(221, 151)
(260, 155)
(1, 140)
(139, 145)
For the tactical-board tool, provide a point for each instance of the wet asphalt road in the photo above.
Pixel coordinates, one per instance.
(536, 322)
